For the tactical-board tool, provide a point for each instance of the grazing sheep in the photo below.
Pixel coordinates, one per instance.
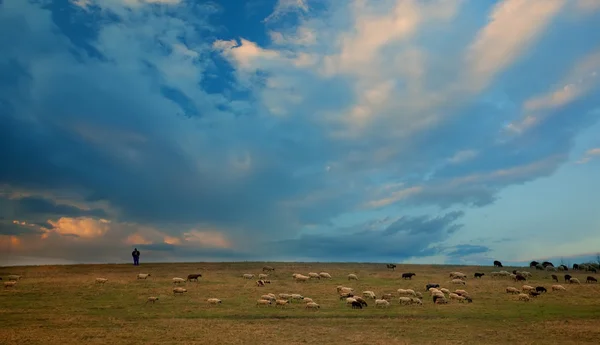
(214, 301)
(547, 264)
(533, 293)
(406, 292)
(478, 275)
(307, 300)
(418, 294)
(391, 266)
(523, 297)
(10, 283)
(551, 268)
(519, 277)
(574, 281)
(526, 274)
(349, 300)
(268, 269)
(497, 263)
(101, 280)
(314, 275)
(177, 280)
(461, 292)
(268, 297)
(513, 276)
(540, 289)
(13, 277)
(558, 288)
(575, 266)
(194, 276)
(555, 278)
(281, 302)
(325, 275)
(369, 294)
(458, 275)
(312, 305)
(143, 275)
(261, 282)
(296, 296)
(263, 302)
(343, 289)
(346, 295)
(285, 296)
(440, 300)
(452, 295)
(263, 276)
(361, 301)
(179, 290)
(356, 305)
(591, 279)
(416, 301)
(152, 299)
(512, 290)
(567, 277)
(301, 278)
(533, 264)
(405, 300)
(438, 293)
(444, 290)
(352, 276)
(527, 288)
(431, 285)
(458, 281)
(381, 303)
(408, 275)
(247, 276)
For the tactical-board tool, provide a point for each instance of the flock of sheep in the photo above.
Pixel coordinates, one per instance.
(356, 300)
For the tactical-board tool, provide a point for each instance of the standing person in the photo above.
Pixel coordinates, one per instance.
(136, 257)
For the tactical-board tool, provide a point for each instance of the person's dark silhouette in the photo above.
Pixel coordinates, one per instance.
(136, 257)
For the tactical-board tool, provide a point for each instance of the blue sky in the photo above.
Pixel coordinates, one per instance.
(392, 130)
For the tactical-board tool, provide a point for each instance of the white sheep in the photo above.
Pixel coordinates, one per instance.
(262, 276)
(314, 275)
(452, 295)
(301, 278)
(179, 290)
(13, 277)
(307, 300)
(369, 294)
(405, 300)
(406, 292)
(523, 297)
(381, 303)
(352, 276)
(439, 294)
(267, 297)
(263, 302)
(248, 276)
(418, 294)
(416, 301)
(271, 294)
(10, 283)
(458, 275)
(143, 275)
(214, 301)
(441, 300)
(284, 296)
(574, 281)
(296, 296)
(152, 299)
(343, 289)
(458, 281)
(312, 305)
(101, 280)
(325, 275)
(444, 290)
(527, 288)
(512, 290)
(349, 300)
(281, 302)
(558, 287)
(461, 292)
(178, 280)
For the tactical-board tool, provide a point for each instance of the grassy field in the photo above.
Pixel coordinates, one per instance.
(64, 305)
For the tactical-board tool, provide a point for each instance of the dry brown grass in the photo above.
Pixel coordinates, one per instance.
(64, 305)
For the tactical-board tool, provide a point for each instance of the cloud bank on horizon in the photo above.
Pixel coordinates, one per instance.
(441, 131)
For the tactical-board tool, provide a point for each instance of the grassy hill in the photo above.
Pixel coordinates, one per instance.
(64, 305)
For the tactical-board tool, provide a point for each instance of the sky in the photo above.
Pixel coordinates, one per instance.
(431, 131)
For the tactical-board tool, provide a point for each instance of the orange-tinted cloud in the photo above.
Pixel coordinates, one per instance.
(207, 238)
(82, 227)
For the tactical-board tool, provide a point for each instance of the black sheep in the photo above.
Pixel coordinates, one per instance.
(591, 279)
(430, 285)
(555, 277)
(497, 263)
(408, 275)
(391, 266)
(519, 277)
(533, 264)
(540, 289)
(478, 275)
(534, 293)
(567, 277)
(356, 305)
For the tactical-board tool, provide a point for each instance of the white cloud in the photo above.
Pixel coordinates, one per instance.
(286, 6)
(589, 155)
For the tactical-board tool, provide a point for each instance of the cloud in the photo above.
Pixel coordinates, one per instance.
(589, 155)
(194, 130)
(467, 249)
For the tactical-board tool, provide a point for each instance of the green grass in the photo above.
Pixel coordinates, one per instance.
(63, 305)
